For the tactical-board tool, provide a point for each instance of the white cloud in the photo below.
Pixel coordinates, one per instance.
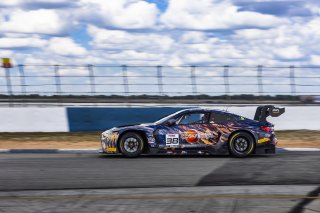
(290, 52)
(9, 3)
(193, 37)
(22, 3)
(66, 47)
(40, 21)
(312, 27)
(74, 71)
(134, 57)
(315, 59)
(11, 43)
(295, 41)
(254, 34)
(128, 14)
(6, 53)
(213, 14)
(313, 8)
(251, 38)
(122, 40)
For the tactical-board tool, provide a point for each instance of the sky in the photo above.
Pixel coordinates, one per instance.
(166, 32)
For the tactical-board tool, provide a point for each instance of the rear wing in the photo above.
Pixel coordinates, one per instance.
(263, 112)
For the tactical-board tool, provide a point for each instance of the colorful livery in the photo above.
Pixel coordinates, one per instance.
(191, 131)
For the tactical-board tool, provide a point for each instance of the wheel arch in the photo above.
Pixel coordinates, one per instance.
(140, 132)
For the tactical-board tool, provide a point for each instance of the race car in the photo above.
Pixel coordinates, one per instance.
(196, 131)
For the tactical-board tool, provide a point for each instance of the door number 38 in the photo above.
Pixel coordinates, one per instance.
(172, 139)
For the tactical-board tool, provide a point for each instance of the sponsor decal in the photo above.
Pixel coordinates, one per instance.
(111, 149)
(111, 137)
(151, 139)
(262, 140)
(172, 140)
(275, 110)
(191, 136)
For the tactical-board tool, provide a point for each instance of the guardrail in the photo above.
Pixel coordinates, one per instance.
(26, 79)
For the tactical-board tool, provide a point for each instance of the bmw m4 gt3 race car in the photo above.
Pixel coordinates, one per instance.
(196, 131)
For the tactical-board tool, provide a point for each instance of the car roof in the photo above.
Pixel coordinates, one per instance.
(204, 110)
(207, 110)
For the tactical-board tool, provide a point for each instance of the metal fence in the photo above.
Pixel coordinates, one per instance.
(159, 80)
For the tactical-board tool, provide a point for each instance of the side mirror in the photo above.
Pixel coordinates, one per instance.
(171, 122)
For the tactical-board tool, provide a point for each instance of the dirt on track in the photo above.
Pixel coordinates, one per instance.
(91, 140)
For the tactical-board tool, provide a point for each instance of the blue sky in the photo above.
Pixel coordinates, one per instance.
(168, 32)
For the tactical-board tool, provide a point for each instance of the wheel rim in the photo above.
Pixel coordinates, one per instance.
(241, 144)
(131, 145)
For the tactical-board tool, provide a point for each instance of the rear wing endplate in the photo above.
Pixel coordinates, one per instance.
(263, 112)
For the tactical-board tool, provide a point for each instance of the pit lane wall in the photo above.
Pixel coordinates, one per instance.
(73, 119)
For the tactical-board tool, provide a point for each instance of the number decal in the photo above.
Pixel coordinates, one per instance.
(172, 139)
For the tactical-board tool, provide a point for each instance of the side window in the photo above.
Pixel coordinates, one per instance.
(193, 118)
(221, 118)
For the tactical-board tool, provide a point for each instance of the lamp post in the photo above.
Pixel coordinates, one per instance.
(6, 64)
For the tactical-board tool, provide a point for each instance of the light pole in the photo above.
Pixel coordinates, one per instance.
(6, 64)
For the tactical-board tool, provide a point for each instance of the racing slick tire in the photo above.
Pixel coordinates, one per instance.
(241, 144)
(131, 144)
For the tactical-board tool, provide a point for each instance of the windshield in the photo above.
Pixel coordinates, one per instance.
(168, 117)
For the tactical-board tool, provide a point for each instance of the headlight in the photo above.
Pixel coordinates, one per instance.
(105, 133)
(102, 136)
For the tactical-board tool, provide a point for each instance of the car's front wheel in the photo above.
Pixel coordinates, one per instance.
(241, 144)
(131, 144)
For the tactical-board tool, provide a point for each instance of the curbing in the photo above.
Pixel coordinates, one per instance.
(88, 151)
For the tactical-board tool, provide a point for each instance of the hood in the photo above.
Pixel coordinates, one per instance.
(127, 125)
(134, 126)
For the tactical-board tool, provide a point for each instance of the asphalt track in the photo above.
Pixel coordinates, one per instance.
(88, 171)
(293, 175)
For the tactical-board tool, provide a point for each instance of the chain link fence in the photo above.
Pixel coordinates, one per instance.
(94, 80)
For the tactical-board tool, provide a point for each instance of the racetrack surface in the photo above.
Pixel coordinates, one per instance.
(285, 182)
(97, 171)
(224, 199)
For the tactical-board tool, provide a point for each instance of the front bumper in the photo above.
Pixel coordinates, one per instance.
(109, 142)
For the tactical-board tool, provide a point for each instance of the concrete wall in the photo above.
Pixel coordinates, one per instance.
(98, 119)
(33, 120)
(93, 119)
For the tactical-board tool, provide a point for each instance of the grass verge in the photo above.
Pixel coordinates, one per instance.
(91, 140)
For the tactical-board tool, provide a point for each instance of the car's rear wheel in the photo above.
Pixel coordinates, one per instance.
(241, 144)
(131, 144)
